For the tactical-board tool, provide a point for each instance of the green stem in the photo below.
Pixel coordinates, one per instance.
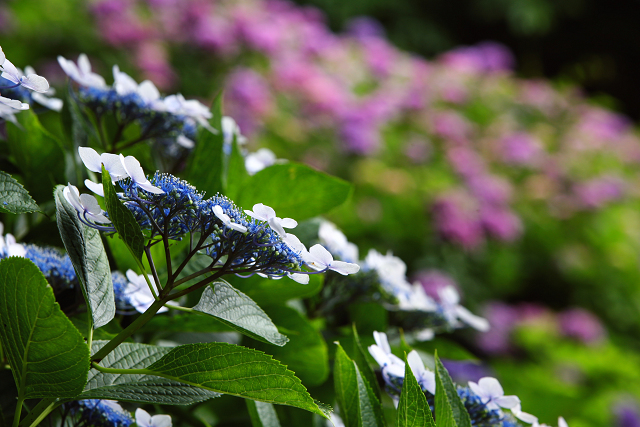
(130, 330)
(179, 308)
(38, 413)
(90, 332)
(16, 415)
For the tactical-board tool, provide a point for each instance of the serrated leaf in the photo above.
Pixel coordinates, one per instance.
(239, 371)
(262, 414)
(139, 388)
(8, 393)
(122, 218)
(370, 409)
(413, 408)
(47, 354)
(85, 248)
(38, 154)
(450, 411)
(294, 190)
(361, 360)
(235, 309)
(205, 169)
(306, 353)
(14, 198)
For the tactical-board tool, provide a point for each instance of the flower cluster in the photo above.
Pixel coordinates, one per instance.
(109, 413)
(383, 279)
(484, 401)
(166, 207)
(17, 86)
(170, 118)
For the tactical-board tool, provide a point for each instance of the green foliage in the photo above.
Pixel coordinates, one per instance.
(46, 352)
(235, 309)
(38, 154)
(361, 360)
(266, 291)
(136, 387)
(306, 353)
(15, 199)
(413, 408)
(84, 246)
(358, 403)
(262, 414)
(205, 168)
(236, 172)
(450, 410)
(239, 371)
(294, 190)
(122, 218)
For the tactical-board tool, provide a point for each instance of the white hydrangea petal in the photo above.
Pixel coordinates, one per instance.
(69, 67)
(98, 217)
(133, 277)
(523, 416)
(10, 72)
(218, 212)
(294, 243)
(90, 204)
(133, 168)
(508, 402)
(94, 187)
(113, 164)
(396, 369)
(263, 212)
(14, 103)
(54, 104)
(300, 278)
(185, 142)
(2, 57)
(123, 83)
(288, 223)
(237, 227)
(161, 421)
(90, 158)
(382, 341)
(143, 419)
(491, 386)
(148, 91)
(35, 82)
(344, 268)
(321, 254)
(415, 363)
(277, 227)
(379, 355)
(479, 323)
(147, 186)
(72, 195)
(562, 422)
(84, 66)
(477, 390)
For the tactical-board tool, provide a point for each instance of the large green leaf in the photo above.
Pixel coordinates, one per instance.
(356, 399)
(450, 411)
(361, 360)
(413, 408)
(84, 246)
(122, 218)
(306, 353)
(262, 414)
(239, 371)
(294, 190)
(237, 310)
(47, 354)
(236, 172)
(183, 322)
(139, 388)
(205, 169)
(14, 198)
(268, 291)
(8, 393)
(38, 154)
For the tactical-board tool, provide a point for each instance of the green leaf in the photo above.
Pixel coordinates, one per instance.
(262, 414)
(122, 218)
(413, 408)
(46, 352)
(361, 360)
(8, 394)
(232, 307)
(139, 388)
(268, 291)
(236, 172)
(84, 246)
(204, 170)
(450, 410)
(294, 190)
(239, 371)
(15, 199)
(38, 154)
(356, 399)
(180, 323)
(306, 353)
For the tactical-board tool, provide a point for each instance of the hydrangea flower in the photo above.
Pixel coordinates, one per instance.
(8, 245)
(450, 299)
(32, 81)
(101, 413)
(255, 162)
(86, 205)
(266, 213)
(138, 293)
(321, 259)
(491, 393)
(143, 419)
(82, 73)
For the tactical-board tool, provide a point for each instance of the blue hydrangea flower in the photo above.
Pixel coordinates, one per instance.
(55, 266)
(100, 413)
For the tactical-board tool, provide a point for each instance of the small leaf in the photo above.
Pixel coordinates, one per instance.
(294, 190)
(239, 371)
(450, 411)
(413, 408)
(232, 307)
(363, 364)
(84, 246)
(122, 218)
(47, 354)
(262, 414)
(204, 169)
(14, 198)
(139, 388)
(306, 353)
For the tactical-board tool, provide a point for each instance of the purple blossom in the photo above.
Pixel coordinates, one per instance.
(501, 223)
(627, 415)
(486, 57)
(582, 325)
(433, 281)
(597, 192)
(521, 149)
(456, 219)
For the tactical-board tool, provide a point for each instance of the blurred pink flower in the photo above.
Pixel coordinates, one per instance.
(484, 57)
(597, 192)
(582, 325)
(521, 149)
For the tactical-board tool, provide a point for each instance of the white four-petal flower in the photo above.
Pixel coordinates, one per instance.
(144, 419)
(138, 292)
(32, 81)
(82, 73)
(490, 392)
(134, 171)
(86, 204)
(523, 416)
(94, 161)
(266, 213)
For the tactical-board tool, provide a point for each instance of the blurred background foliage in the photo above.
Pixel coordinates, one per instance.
(482, 166)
